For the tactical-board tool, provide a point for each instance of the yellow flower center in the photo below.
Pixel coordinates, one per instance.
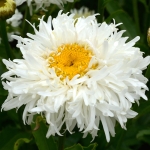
(2, 3)
(70, 60)
(7, 9)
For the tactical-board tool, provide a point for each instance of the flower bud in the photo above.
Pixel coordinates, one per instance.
(7, 9)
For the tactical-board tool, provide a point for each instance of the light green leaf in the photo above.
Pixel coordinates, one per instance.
(91, 147)
(75, 147)
(20, 142)
(39, 132)
(80, 147)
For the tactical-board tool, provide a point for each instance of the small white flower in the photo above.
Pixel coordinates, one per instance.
(42, 3)
(19, 2)
(10, 37)
(82, 12)
(9, 34)
(76, 72)
(15, 20)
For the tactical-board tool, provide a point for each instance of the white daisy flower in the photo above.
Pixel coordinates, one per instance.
(82, 12)
(78, 73)
(15, 20)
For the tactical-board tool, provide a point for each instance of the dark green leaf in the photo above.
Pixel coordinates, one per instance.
(121, 17)
(147, 74)
(106, 1)
(145, 110)
(144, 135)
(2, 51)
(73, 139)
(145, 5)
(13, 115)
(9, 136)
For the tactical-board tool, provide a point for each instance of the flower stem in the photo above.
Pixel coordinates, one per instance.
(61, 142)
(5, 39)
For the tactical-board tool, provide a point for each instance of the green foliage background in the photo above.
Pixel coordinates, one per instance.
(14, 135)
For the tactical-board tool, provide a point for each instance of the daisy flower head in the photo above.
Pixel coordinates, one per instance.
(82, 12)
(78, 73)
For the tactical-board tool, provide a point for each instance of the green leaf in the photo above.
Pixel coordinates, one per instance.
(114, 14)
(9, 136)
(39, 132)
(75, 147)
(144, 111)
(144, 135)
(105, 2)
(73, 139)
(143, 47)
(20, 142)
(145, 5)
(147, 74)
(121, 17)
(91, 147)
(80, 147)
